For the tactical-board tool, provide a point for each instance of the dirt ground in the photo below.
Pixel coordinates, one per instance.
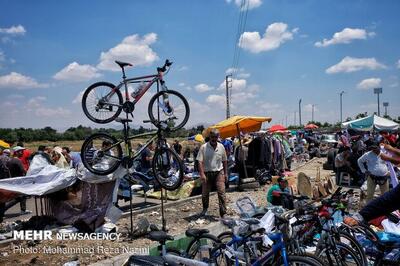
(178, 219)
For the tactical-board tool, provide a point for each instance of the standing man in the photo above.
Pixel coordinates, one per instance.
(213, 171)
(375, 170)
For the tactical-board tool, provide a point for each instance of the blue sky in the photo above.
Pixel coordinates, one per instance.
(50, 51)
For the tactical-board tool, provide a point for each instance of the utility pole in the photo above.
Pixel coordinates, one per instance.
(312, 114)
(378, 91)
(228, 85)
(386, 104)
(341, 107)
(300, 112)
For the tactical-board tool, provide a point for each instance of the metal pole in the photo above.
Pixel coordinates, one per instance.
(341, 107)
(378, 91)
(379, 106)
(312, 114)
(227, 85)
(300, 112)
(385, 104)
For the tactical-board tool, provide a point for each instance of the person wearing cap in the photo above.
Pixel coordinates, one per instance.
(23, 154)
(277, 194)
(213, 171)
(375, 169)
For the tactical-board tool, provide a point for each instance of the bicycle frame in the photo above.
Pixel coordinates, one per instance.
(278, 246)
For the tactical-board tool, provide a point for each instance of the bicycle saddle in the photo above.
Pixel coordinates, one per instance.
(123, 64)
(196, 232)
(229, 222)
(159, 236)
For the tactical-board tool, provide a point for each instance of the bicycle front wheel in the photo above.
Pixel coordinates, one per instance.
(101, 154)
(194, 248)
(167, 168)
(169, 107)
(102, 102)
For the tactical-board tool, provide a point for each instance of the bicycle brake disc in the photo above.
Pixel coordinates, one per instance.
(128, 107)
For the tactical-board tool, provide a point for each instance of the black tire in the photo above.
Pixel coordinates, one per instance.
(349, 240)
(167, 168)
(98, 160)
(299, 260)
(348, 256)
(177, 104)
(94, 106)
(192, 250)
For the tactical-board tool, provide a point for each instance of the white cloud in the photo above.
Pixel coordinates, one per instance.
(75, 72)
(132, 49)
(269, 106)
(14, 30)
(394, 85)
(182, 68)
(239, 72)
(203, 88)
(237, 85)
(181, 84)
(369, 83)
(78, 98)
(36, 102)
(52, 112)
(346, 36)
(16, 96)
(350, 64)
(398, 64)
(251, 4)
(18, 81)
(216, 99)
(275, 35)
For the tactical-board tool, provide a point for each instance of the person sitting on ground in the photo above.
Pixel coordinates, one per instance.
(279, 194)
(346, 162)
(375, 170)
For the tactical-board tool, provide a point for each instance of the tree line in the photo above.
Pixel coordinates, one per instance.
(12, 135)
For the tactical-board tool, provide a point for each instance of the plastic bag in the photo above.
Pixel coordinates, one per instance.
(268, 221)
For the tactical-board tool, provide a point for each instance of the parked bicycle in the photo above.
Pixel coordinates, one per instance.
(102, 102)
(102, 154)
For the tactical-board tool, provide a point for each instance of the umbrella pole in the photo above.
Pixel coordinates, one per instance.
(241, 150)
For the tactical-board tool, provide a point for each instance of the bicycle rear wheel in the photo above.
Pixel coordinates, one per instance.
(347, 256)
(170, 107)
(102, 102)
(101, 154)
(194, 248)
(167, 168)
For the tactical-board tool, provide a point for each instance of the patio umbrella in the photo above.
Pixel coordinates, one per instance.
(197, 137)
(311, 126)
(4, 144)
(276, 128)
(233, 126)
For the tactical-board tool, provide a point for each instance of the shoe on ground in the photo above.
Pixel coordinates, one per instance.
(25, 212)
(203, 213)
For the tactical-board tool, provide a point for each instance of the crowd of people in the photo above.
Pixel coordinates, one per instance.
(15, 162)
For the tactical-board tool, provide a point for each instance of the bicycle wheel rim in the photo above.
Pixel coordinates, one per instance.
(347, 257)
(175, 115)
(98, 107)
(101, 154)
(167, 168)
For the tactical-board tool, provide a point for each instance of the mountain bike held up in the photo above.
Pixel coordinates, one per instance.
(102, 102)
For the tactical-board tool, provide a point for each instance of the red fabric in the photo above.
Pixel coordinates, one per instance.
(25, 158)
(311, 126)
(378, 221)
(6, 195)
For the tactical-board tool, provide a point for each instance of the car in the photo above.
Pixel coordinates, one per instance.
(328, 141)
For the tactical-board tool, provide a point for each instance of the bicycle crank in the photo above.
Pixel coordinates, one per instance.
(128, 107)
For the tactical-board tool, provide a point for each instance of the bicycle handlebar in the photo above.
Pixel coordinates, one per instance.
(164, 67)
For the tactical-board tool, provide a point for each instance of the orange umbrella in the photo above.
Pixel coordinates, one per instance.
(276, 128)
(311, 126)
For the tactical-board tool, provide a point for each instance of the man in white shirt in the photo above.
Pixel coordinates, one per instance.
(213, 171)
(376, 171)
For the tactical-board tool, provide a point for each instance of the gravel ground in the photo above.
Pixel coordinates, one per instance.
(178, 218)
